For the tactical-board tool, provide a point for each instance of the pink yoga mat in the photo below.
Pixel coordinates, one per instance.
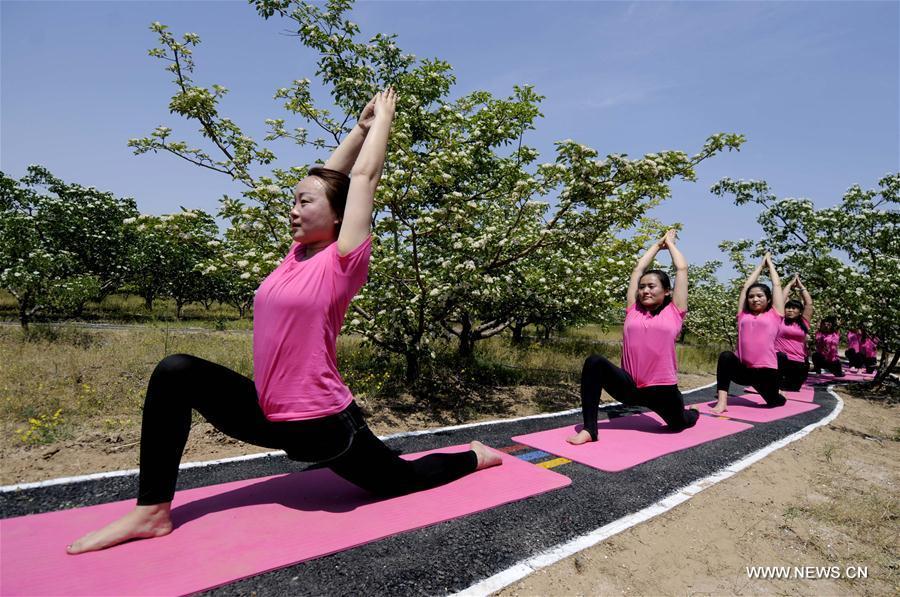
(230, 531)
(804, 394)
(828, 377)
(624, 442)
(752, 407)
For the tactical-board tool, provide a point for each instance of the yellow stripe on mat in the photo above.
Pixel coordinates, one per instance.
(554, 462)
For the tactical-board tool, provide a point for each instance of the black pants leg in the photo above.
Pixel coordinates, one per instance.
(833, 367)
(228, 401)
(871, 364)
(599, 374)
(855, 358)
(763, 380)
(370, 464)
(791, 374)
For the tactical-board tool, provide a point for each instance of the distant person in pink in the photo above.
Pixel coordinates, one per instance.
(790, 343)
(868, 347)
(760, 315)
(853, 353)
(298, 402)
(828, 338)
(649, 374)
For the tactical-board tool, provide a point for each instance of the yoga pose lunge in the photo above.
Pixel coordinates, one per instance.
(826, 354)
(853, 353)
(790, 344)
(760, 313)
(649, 374)
(868, 348)
(297, 401)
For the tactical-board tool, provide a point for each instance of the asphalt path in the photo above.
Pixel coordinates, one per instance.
(456, 554)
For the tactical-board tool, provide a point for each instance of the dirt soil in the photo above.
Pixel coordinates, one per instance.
(829, 499)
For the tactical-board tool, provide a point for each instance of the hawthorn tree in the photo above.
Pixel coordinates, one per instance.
(466, 217)
(61, 244)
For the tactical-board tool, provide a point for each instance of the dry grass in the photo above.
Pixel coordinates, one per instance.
(98, 377)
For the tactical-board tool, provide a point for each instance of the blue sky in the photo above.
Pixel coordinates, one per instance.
(815, 87)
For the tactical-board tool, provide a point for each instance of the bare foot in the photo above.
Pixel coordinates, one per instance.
(720, 407)
(582, 437)
(143, 522)
(486, 457)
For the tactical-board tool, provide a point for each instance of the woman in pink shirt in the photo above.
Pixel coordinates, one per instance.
(868, 348)
(790, 344)
(297, 401)
(853, 353)
(649, 375)
(826, 354)
(760, 314)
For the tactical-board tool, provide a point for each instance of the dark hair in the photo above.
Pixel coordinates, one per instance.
(795, 304)
(766, 290)
(664, 281)
(830, 319)
(336, 186)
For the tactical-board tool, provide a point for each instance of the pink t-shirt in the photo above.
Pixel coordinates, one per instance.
(756, 338)
(791, 340)
(297, 314)
(867, 347)
(853, 340)
(648, 345)
(827, 345)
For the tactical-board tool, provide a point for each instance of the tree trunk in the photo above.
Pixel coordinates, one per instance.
(148, 302)
(518, 331)
(24, 317)
(413, 367)
(179, 305)
(883, 371)
(466, 344)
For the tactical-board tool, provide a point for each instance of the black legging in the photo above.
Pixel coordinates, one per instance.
(791, 374)
(855, 358)
(820, 362)
(599, 374)
(228, 400)
(858, 360)
(762, 379)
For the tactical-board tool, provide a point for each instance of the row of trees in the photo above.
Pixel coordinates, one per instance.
(62, 245)
(848, 256)
(472, 234)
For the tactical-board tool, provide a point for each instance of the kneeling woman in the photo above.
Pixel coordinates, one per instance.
(826, 355)
(649, 375)
(790, 344)
(297, 401)
(760, 313)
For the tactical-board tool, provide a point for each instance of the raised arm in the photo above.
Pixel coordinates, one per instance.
(366, 173)
(639, 269)
(786, 290)
(777, 294)
(343, 158)
(807, 300)
(680, 292)
(750, 281)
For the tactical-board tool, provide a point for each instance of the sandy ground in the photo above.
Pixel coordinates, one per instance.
(829, 499)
